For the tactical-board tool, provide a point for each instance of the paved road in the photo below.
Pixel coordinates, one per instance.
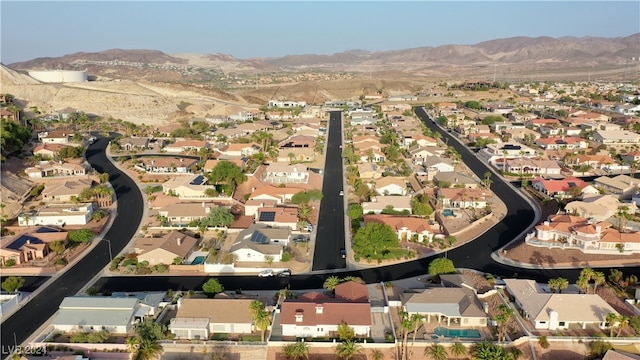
(330, 230)
(27, 319)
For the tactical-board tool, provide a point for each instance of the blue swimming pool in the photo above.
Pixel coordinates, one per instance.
(447, 212)
(198, 260)
(460, 333)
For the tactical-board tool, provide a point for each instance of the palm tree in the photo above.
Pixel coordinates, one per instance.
(296, 351)
(417, 320)
(133, 342)
(407, 325)
(506, 313)
(254, 308)
(611, 319)
(436, 352)
(598, 279)
(458, 349)
(377, 355)
(148, 349)
(562, 284)
(487, 180)
(331, 282)
(346, 350)
(553, 285)
(623, 323)
(304, 212)
(263, 320)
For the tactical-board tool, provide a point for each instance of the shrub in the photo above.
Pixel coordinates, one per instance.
(61, 261)
(10, 262)
(544, 343)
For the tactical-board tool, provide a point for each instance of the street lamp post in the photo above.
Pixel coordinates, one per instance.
(110, 255)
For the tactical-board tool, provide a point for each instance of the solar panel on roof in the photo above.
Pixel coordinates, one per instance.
(267, 216)
(259, 238)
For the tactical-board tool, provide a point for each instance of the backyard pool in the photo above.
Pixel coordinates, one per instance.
(447, 212)
(460, 333)
(198, 260)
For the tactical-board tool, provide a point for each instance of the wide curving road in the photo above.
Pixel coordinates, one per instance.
(330, 229)
(26, 320)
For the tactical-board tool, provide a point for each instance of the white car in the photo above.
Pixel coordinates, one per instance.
(266, 273)
(341, 193)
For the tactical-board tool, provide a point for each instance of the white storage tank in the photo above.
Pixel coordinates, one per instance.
(59, 76)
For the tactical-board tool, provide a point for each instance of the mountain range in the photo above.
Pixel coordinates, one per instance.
(516, 55)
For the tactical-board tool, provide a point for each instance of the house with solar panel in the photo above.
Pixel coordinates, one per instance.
(187, 187)
(259, 241)
(278, 217)
(30, 245)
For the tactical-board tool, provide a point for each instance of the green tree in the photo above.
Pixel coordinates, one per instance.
(212, 287)
(296, 351)
(346, 350)
(13, 283)
(558, 284)
(148, 349)
(254, 308)
(331, 282)
(228, 173)
(374, 237)
(345, 332)
(263, 320)
(219, 217)
(355, 211)
(81, 236)
(598, 279)
(420, 205)
(57, 246)
(441, 266)
(623, 323)
(436, 352)
(489, 351)
(104, 178)
(458, 349)
(503, 318)
(598, 348)
(611, 319)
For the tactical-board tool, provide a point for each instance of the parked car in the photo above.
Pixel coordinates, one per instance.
(285, 273)
(308, 227)
(343, 253)
(301, 238)
(341, 193)
(266, 273)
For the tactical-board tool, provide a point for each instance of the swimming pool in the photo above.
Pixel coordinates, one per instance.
(447, 212)
(198, 260)
(461, 333)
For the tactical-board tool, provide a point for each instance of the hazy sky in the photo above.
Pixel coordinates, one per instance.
(271, 29)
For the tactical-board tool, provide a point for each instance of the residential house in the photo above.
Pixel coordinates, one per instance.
(180, 214)
(58, 214)
(371, 155)
(240, 150)
(134, 143)
(278, 216)
(97, 313)
(298, 141)
(539, 167)
(279, 194)
(29, 245)
(407, 227)
(616, 138)
(9, 115)
(380, 203)
(174, 245)
(198, 319)
(48, 150)
(630, 157)
(435, 164)
(316, 315)
(551, 311)
(187, 187)
(562, 143)
(574, 232)
(186, 145)
(419, 154)
(454, 179)
(286, 104)
(457, 306)
(623, 186)
(63, 190)
(561, 188)
(595, 161)
(463, 198)
(55, 137)
(599, 207)
(260, 242)
(164, 165)
(295, 154)
(390, 185)
(55, 169)
(277, 173)
(210, 164)
(492, 153)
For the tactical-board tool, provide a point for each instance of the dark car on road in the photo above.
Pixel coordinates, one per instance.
(285, 273)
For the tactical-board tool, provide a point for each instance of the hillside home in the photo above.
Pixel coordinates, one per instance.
(550, 311)
(574, 232)
(58, 214)
(198, 319)
(172, 246)
(134, 143)
(55, 169)
(29, 245)
(48, 150)
(55, 137)
(314, 314)
(599, 207)
(623, 186)
(186, 146)
(63, 190)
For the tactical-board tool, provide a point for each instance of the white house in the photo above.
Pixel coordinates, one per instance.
(96, 313)
(391, 186)
(284, 173)
(58, 214)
